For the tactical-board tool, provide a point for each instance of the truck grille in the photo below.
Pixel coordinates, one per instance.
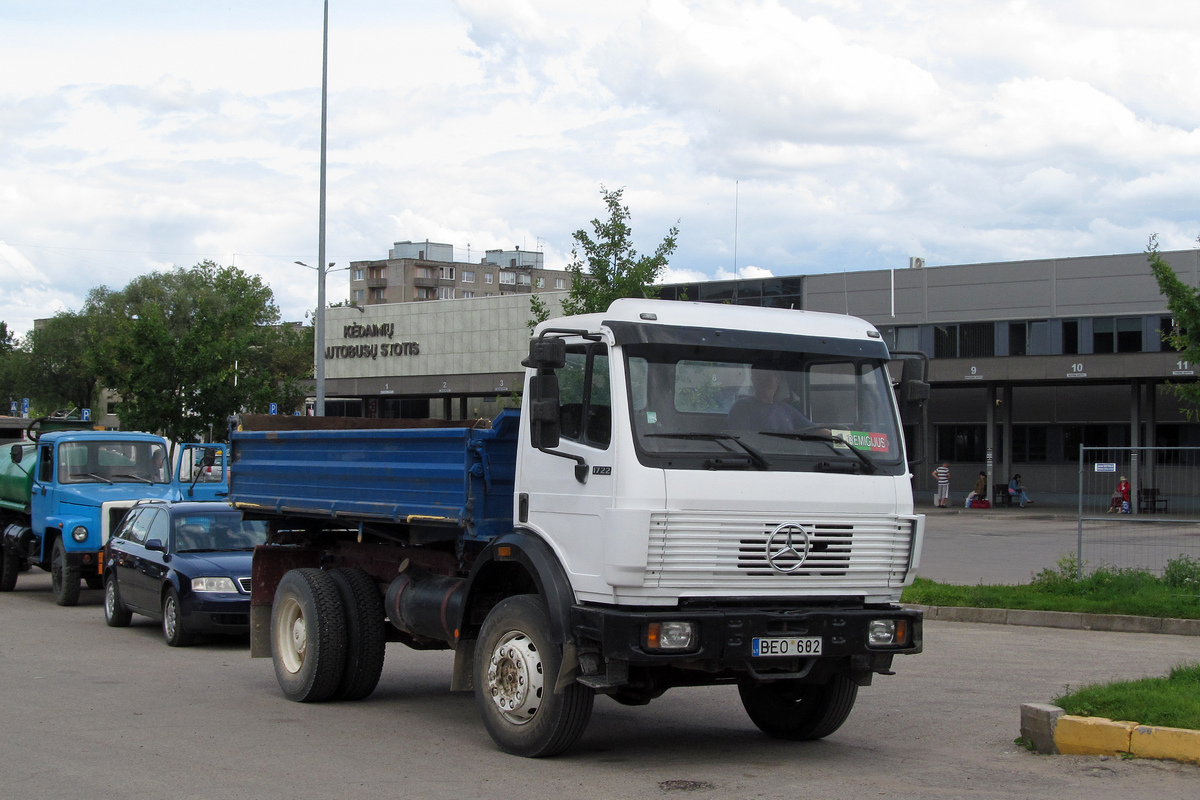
(698, 549)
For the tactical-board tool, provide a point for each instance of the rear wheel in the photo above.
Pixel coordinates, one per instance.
(172, 621)
(64, 579)
(364, 633)
(115, 612)
(516, 666)
(10, 565)
(798, 711)
(308, 635)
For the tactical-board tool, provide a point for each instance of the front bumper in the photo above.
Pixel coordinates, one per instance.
(88, 562)
(726, 635)
(213, 612)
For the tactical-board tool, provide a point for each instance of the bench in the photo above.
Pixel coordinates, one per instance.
(1151, 502)
(1000, 496)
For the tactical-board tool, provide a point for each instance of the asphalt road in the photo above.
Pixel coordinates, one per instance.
(93, 711)
(1005, 546)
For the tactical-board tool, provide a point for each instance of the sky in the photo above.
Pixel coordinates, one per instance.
(783, 137)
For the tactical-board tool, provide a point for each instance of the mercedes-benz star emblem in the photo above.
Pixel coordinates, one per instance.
(788, 547)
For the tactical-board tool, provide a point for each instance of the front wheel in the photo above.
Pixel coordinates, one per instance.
(115, 612)
(64, 579)
(172, 621)
(516, 666)
(798, 711)
(308, 635)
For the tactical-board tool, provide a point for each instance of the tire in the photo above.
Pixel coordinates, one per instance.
(94, 580)
(172, 621)
(516, 665)
(10, 565)
(308, 635)
(64, 579)
(116, 615)
(365, 633)
(796, 711)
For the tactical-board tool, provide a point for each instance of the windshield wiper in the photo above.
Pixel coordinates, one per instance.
(97, 477)
(756, 458)
(141, 478)
(830, 440)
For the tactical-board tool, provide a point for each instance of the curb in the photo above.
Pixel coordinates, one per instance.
(1052, 731)
(1062, 619)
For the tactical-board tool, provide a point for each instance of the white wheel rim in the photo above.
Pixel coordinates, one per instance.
(171, 618)
(514, 679)
(110, 598)
(291, 635)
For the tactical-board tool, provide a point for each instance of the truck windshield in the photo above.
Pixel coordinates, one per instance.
(113, 462)
(720, 408)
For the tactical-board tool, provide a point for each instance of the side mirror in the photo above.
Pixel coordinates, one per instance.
(544, 410)
(545, 354)
(914, 389)
(16, 453)
(156, 544)
(209, 458)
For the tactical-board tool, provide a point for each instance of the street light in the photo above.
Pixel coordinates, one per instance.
(319, 316)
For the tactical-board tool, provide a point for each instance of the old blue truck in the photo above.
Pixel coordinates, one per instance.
(632, 530)
(63, 492)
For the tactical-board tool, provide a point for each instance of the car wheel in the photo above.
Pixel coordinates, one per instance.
(172, 621)
(308, 635)
(365, 633)
(798, 711)
(10, 565)
(115, 612)
(64, 579)
(93, 580)
(516, 665)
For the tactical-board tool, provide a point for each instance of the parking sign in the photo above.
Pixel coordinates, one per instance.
(25, 408)
(274, 408)
(86, 415)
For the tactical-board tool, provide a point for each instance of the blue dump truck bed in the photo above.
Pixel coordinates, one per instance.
(454, 476)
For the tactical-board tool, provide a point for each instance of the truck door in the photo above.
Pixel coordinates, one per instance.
(567, 511)
(201, 472)
(43, 499)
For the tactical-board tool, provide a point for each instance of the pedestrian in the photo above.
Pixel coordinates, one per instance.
(1120, 497)
(979, 492)
(1017, 490)
(942, 474)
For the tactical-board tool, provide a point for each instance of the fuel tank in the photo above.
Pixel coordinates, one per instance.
(16, 478)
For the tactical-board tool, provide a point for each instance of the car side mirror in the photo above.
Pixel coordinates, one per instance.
(156, 545)
(16, 453)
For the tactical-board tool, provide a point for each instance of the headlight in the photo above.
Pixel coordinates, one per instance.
(79, 534)
(887, 633)
(670, 636)
(213, 585)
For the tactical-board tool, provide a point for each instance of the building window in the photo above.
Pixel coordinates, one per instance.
(541, 283)
(512, 262)
(902, 337)
(560, 283)
(1070, 337)
(961, 442)
(378, 295)
(1166, 326)
(1119, 335)
(426, 293)
(1029, 338)
(508, 278)
(968, 340)
(445, 293)
(1085, 435)
(424, 272)
(468, 276)
(1028, 443)
(358, 274)
(467, 293)
(357, 295)
(523, 279)
(488, 278)
(446, 273)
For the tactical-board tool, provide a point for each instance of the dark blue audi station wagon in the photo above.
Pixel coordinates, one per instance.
(186, 564)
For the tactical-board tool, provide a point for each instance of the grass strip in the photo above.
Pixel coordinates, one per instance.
(1174, 594)
(1173, 701)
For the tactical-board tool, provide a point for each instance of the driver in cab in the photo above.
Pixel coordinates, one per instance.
(763, 410)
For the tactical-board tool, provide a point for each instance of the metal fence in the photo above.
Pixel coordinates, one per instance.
(1139, 507)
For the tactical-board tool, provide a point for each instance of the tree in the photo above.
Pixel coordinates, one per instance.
(610, 268)
(57, 370)
(1184, 303)
(185, 349)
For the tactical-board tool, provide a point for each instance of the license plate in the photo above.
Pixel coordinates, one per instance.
(786, 646)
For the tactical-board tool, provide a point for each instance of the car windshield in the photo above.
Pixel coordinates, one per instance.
(113, 462)
(216, 532)
(724, 408)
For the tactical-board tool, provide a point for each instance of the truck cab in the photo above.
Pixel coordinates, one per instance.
(66, 491)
